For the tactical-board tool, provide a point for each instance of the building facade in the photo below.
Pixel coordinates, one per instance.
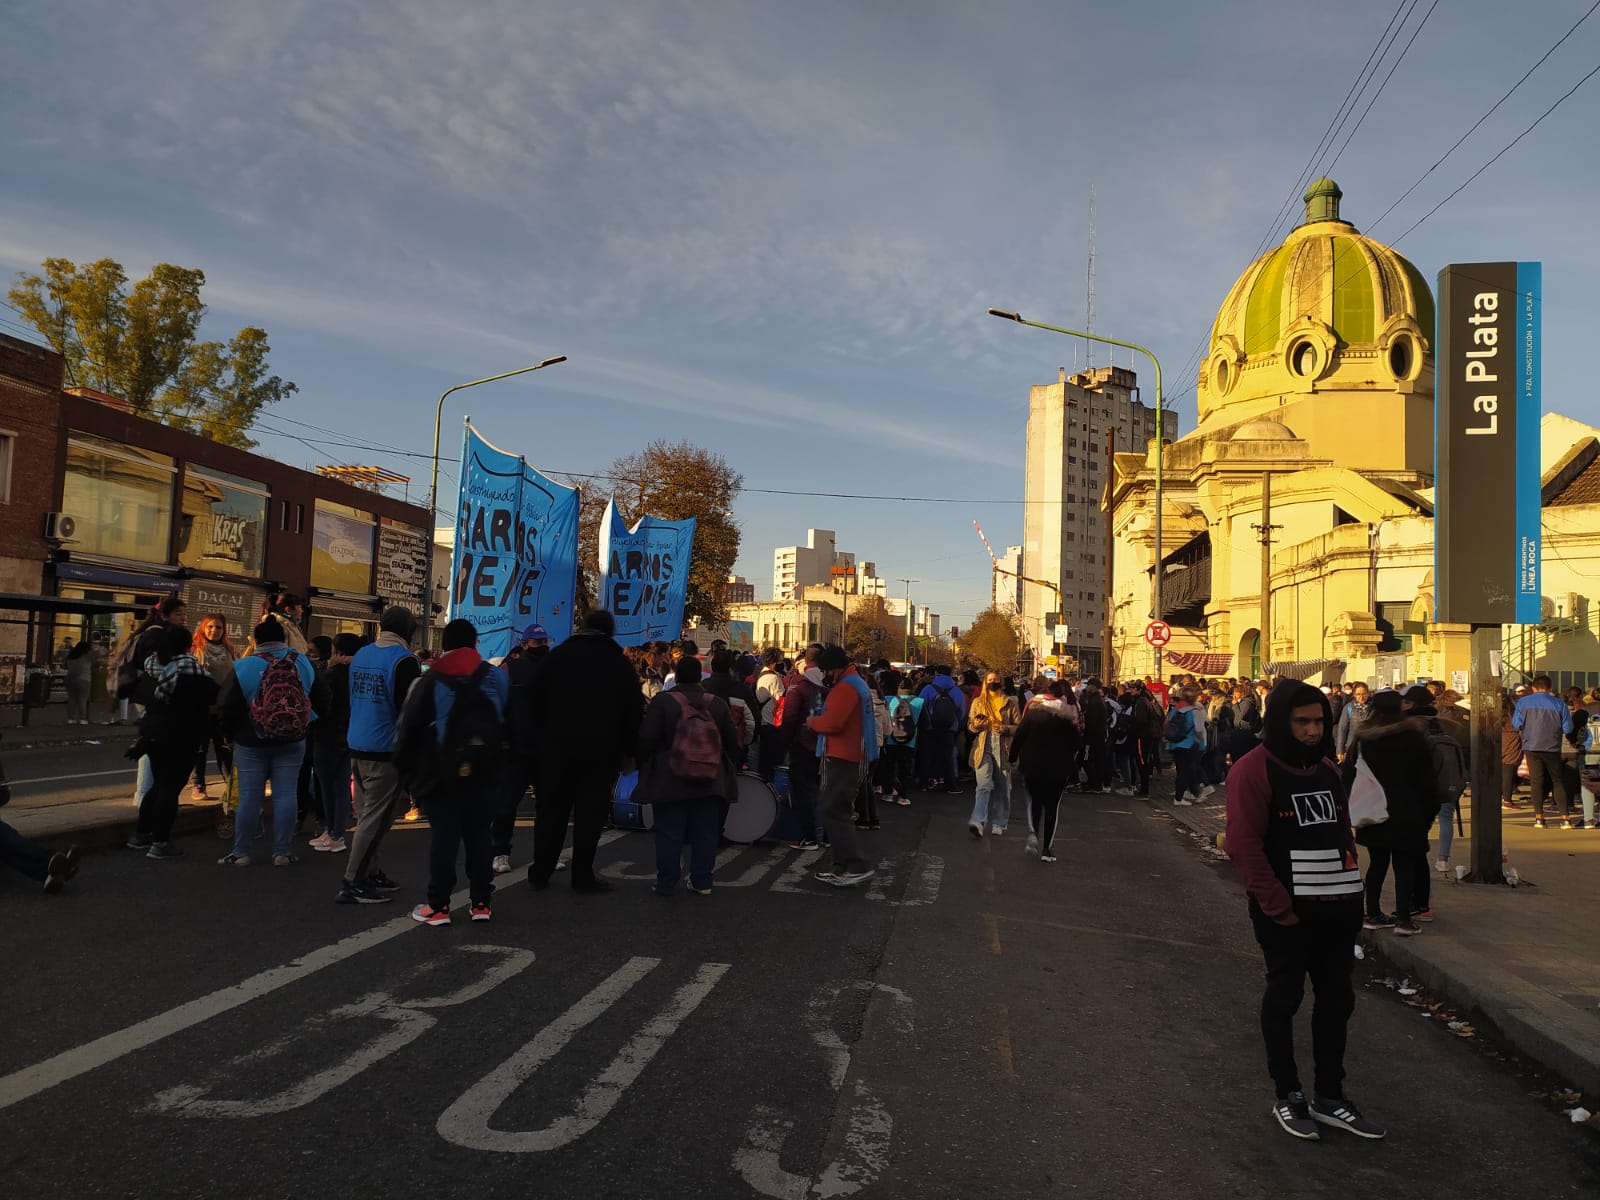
(106, 505)
(1007, 587)
(1297, 529)
(818, 562)
(1073, 424)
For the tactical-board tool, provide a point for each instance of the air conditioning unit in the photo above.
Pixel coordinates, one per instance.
(60, 527)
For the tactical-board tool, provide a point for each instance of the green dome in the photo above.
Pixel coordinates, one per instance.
(1327, 271)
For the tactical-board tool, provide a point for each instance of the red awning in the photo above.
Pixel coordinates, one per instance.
(1201, 663)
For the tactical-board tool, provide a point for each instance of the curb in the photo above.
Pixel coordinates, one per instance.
(1525, 1015)
(111, 832)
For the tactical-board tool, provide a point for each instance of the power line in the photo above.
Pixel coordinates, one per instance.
(1393, 67)
(1501, 152)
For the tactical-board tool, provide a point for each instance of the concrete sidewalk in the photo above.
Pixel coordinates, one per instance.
(47, 726)
(1525, 958)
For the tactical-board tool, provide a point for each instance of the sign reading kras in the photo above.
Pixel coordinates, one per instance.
(1486, 445)
(516, 552)
(644, 575)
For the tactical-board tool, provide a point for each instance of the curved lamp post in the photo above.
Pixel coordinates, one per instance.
(438, 416)
(1160, 449)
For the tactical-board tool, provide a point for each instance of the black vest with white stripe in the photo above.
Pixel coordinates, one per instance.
(1308, 840)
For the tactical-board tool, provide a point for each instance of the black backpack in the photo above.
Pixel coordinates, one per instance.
(946, 713)
(1449, 763)
(473, 751)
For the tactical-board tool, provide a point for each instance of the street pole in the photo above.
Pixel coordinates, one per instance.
(1160, 446)
(906, 653)
(438, 417)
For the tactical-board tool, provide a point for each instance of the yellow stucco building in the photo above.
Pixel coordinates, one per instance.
(1315, 407)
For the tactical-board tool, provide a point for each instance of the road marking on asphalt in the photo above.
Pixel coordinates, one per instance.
(1122, 933)
(869, 1128)
(991, 924)
(69, 1064)
(128, 770)
(1002, 1046)
(408, 1018)
(466, 1122)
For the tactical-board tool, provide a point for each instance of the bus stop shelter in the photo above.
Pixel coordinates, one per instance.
(29, 681)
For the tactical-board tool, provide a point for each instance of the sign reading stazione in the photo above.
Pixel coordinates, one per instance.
(1486, 444)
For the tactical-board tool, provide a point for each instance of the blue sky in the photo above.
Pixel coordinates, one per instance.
(770, 228)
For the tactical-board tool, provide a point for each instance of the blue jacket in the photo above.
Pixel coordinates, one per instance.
(931, 693)
(1196, 737)
(1544, 720)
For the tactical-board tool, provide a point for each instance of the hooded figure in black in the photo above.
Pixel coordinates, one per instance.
(1288, 835)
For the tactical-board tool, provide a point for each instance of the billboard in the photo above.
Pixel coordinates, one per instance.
(1486, 444)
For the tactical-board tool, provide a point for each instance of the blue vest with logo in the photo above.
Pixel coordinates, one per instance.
(374, 708)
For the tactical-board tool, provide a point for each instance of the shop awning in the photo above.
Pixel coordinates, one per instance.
(1201, 662)
(1303, 668)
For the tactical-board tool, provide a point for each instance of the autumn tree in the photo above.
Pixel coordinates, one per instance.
(672, 481)
(990, 642)
(141, 344)
(872, 632)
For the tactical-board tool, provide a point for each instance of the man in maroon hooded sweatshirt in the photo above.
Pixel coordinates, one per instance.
(1288, 835)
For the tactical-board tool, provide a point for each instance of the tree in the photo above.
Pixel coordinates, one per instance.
(990, 642)
(871, 632)
(670, 480)
(140, 344)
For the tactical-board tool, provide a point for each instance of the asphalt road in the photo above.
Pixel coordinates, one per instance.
(93, 768)
(978, 1024)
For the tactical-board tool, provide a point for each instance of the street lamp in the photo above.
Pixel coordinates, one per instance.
(438, 416)
(1160, 448)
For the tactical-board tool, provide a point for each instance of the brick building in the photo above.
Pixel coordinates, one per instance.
(101, 504)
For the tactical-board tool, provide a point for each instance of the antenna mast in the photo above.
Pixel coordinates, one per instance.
(1089, 312)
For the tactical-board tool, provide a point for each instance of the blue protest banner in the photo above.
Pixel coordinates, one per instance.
(516, 552)
(644, 575)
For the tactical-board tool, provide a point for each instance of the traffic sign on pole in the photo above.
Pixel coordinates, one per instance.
(1158, 633)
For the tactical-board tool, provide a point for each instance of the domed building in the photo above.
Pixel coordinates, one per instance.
(1308, 479)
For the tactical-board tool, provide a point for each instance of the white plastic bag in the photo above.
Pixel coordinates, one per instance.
(1368, 804)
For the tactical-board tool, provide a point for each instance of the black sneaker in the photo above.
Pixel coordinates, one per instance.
(593, 885)
(1344, 1115)
(382, 882)
(361, 893)
(63, 865)
(1381, 921)
(140, 841)
(1294, 1114)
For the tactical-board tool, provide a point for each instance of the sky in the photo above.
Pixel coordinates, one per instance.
(771, 229)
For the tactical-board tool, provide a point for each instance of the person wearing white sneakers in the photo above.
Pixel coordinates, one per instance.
(330, 749)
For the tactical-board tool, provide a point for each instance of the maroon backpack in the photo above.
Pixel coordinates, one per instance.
(281, 711)
(696, 751)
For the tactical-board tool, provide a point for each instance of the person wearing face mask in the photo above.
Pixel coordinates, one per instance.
(803, 693)
(993, 720)
(1288, 834)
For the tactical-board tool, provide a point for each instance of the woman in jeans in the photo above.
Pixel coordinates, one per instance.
(992, 720)
(1396, 750)
(216, 654)
(1510, 753)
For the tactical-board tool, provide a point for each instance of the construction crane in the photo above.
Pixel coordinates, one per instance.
(999, 570)
(1010, 609)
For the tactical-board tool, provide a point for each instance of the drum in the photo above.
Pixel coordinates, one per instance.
(751, 818)
(625, 814)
